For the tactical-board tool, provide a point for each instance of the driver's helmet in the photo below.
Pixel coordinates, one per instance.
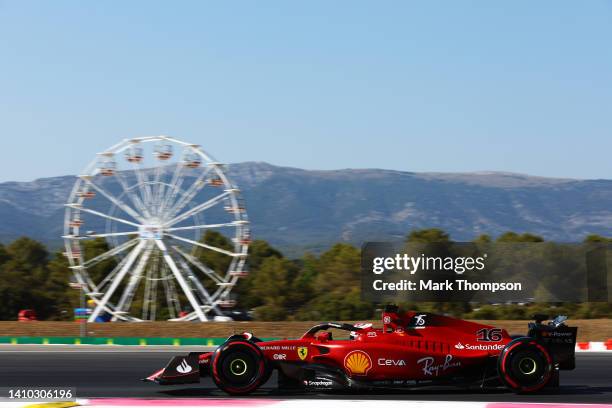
(361, 325)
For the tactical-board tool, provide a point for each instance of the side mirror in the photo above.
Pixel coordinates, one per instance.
(558, 321)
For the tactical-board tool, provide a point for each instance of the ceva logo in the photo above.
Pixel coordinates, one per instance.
(390, 362)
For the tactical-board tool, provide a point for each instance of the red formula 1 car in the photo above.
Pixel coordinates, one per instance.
(411, 349)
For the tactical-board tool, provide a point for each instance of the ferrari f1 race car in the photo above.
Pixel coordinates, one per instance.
(410, 350)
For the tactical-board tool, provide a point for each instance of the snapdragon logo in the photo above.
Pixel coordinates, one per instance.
(318, 382)
(412, 264)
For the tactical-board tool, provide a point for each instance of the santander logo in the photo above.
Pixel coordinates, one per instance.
(183, 368)
(482, 347)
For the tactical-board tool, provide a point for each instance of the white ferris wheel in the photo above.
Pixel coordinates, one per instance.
(149, 201)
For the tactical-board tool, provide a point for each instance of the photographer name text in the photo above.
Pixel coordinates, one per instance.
(447, 285)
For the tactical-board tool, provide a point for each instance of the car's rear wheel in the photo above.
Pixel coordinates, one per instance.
(239, 367)
(525, 365)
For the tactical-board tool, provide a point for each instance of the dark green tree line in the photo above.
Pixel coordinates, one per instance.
(314, 287)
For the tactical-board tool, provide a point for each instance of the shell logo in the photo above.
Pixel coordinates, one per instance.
(357, 362)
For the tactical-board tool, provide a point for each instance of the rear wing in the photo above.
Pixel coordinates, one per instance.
(559, 339)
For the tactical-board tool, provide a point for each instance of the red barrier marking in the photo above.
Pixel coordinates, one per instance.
(551, 405)
(583, 345)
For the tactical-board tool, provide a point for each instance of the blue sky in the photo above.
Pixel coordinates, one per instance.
(517, 86)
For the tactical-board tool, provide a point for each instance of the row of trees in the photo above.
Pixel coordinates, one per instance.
(313, 287)
(328, 286)
(31, 278)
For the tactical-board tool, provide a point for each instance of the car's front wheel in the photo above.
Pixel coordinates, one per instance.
(525, 365)
(239, 367)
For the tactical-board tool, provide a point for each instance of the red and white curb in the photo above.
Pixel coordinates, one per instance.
(597, 346)
(333, 403)
(295, 403)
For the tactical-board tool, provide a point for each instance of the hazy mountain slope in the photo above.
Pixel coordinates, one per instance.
(296, 208)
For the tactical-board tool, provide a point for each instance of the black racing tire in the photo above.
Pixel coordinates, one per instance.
(554, 381)
(239, 367)
(525, 366)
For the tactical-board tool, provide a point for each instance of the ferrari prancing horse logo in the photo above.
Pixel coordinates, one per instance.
(302, 352)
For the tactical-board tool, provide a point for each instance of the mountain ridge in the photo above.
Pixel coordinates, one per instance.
(295, 208)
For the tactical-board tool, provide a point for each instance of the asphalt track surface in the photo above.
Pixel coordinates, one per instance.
(116, 372)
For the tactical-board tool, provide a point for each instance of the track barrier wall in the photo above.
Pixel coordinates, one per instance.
(116, 341)
(588, 329)
(594, 346)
